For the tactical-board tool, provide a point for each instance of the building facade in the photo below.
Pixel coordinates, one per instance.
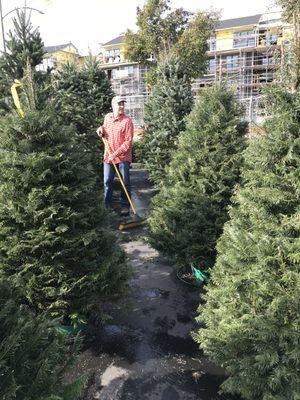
(56, 56)
(244, 52)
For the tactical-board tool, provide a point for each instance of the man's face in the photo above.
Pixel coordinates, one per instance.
(121, 107)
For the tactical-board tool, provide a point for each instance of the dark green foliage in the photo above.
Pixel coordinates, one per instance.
(161, 30)
(33, 355)
(24, 44)
(189, 212)
(55, 242)
(137, 152)
(252, 310)
(193, 43)
(289, 8)
(170, 101)
(24, 47)
(83, 96)
(291, 14)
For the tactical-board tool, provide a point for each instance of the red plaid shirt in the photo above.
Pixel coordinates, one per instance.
(118, 134)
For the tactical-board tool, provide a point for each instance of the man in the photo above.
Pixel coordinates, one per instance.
(117, 130)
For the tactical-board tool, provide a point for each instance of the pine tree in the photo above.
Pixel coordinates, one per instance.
(33, 355)
(252, 310)
(83, 96)
(189, 212)
(165, 111)
(55, 242)
(25, 46)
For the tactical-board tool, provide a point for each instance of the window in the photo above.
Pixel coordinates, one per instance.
(244, 39)
(271, 39)
(232, 62)
(130, 70)
(112, 56)
(126, 70)
(270, 21)
(246, 79)
(212, 43)
(212, 66)
(268, 60)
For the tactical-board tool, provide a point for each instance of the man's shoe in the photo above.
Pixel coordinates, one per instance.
(125, 211)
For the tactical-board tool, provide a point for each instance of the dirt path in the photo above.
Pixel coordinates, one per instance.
(145, 352)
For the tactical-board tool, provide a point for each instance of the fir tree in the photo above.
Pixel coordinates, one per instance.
(189, 212)
(252, 310)
(25, 46)
(165, 111)
(33, 355)
(83, 96)
(54, 236)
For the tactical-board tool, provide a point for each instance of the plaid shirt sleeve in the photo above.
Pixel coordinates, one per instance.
(104, 126)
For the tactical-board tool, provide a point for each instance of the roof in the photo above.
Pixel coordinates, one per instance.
(117, 40)
(52, 49)
(224, 24)
(235, 22)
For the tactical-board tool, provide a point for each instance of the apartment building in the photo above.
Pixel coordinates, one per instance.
(245, 52)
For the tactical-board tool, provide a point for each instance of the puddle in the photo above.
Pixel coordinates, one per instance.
(164, 323)
(183, 318)
(154, 366)
(174, 386)
(155, 293)
(176, 345)
(116, 341)
(139, 346)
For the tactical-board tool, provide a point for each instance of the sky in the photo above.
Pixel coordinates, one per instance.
(88, 23)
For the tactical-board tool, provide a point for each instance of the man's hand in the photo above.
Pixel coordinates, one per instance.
(100, 132)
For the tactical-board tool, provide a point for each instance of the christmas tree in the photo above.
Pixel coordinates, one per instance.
(170, 101)
(56, 245)
(24, 46)
(252, 310)
(189, 212)
(34, 356)
(83, 96)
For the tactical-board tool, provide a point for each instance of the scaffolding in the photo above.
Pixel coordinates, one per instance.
(128, 80)
(248, 66)
(247, 72)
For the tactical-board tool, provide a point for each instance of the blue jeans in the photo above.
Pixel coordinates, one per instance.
(109, 174)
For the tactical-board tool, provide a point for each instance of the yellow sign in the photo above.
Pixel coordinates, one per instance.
(16, 97)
